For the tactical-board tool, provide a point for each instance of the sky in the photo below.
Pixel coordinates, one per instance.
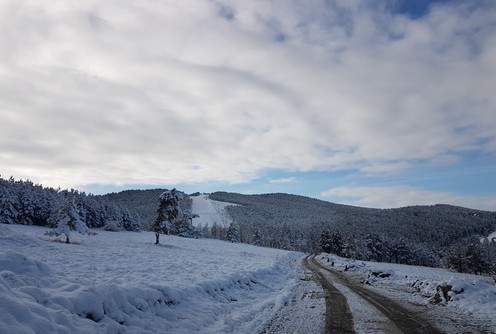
(370, 103)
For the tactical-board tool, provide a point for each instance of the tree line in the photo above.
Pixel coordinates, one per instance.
(27, 203)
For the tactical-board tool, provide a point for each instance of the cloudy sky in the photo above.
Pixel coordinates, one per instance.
(372, 103)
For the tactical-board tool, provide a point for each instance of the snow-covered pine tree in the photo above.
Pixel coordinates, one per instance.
(476, 259)
(257, 237)
(130, 221)
(331, 242)
(183, 225)
(8, 213)
(325, 242)
(400, 251)
(205, 231)
(214, 231)
(455, 258)
(68, 219)
(25, 202)
(489, 249)
(168, 210)
(233, 233)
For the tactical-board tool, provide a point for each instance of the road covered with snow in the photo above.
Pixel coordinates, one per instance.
(116, 282)
(352, 304)
(305, 313)
(450, 302)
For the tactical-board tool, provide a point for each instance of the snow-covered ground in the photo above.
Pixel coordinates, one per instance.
(305, 313)
(209, 211)
(123, 283)
(472, 298)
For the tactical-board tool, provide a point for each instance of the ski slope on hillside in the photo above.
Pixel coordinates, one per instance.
(122, 282)
(210, 212)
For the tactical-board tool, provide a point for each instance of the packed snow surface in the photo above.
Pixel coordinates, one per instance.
(121, 282)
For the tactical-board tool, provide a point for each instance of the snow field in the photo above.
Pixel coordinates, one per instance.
(122, 282)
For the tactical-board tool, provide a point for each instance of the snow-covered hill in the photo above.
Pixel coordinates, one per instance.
(122, 282)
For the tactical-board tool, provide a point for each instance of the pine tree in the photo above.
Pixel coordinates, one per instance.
(168, 210)
(331, 242)
(475, 258)
(205, 231)
(325, 242)
(25, 202)
(68, 219)
(376, 247)
(215, 231)
(400, 251)
(183, 225)
(233, 233)
(456, 257)
(130, 221)
(257, 237)
(489, 250)
(8, 213)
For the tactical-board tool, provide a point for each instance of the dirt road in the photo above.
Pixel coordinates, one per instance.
(339, 318)
(338, 314)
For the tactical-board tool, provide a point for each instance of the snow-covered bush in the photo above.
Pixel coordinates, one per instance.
(113, 226)
(68, 219)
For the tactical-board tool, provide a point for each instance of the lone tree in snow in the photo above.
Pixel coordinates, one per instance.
(67, 219)
(168, 210)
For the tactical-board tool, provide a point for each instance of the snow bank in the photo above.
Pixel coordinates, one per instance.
(122, 282)
(491, 236)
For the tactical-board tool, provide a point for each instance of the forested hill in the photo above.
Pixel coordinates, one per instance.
(142, 202)
(437, 235)
(416, 234)
(437, 224)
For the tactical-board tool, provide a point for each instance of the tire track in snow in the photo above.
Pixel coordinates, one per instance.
(338, 314)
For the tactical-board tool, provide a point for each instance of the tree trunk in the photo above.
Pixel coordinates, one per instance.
(67, 240)
(157, 237)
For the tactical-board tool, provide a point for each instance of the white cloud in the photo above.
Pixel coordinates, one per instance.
(385, 168)
(290, 179)
(138, 92)
(400, 196)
